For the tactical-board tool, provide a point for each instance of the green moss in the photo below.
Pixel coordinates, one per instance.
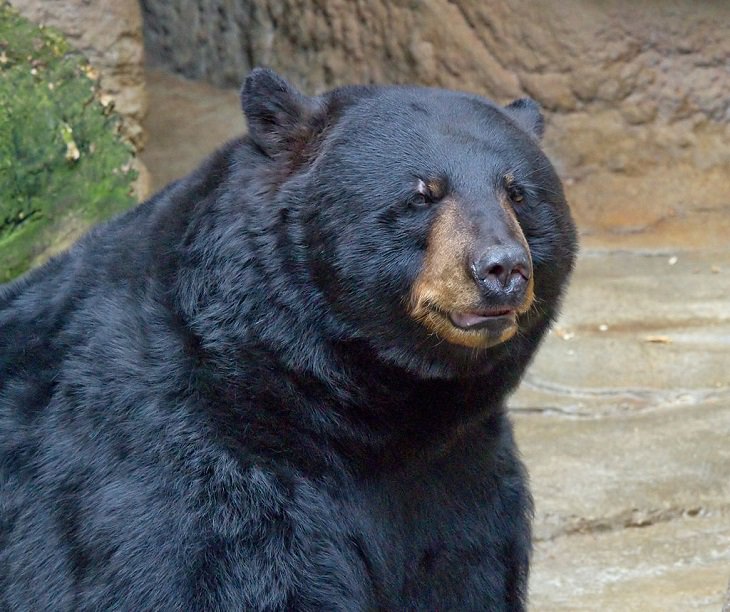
(63, 166)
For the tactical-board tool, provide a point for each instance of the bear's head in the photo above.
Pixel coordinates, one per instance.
(431, 222)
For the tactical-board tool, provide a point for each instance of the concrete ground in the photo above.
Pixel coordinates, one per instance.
(624, 423)
(623, 419)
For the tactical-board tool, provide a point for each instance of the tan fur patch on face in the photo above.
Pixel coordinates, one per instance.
(517, 233)
(445, 285)
(514, 224)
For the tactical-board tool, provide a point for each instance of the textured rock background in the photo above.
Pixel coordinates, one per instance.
(638, 94)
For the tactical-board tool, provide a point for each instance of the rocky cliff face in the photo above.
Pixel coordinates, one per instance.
(637, 94)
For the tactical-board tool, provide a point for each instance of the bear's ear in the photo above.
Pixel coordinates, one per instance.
(526, 113)
(276, 112)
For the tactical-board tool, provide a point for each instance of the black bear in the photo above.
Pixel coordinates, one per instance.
(280, 383)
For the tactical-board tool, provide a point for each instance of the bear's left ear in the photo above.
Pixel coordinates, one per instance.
(526, 113)
(276, 112)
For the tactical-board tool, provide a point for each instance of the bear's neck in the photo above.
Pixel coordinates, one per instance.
(372, 413)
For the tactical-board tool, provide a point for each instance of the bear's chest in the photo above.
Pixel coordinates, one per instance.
(438, 531)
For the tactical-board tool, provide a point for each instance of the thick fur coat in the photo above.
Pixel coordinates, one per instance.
(279, 384)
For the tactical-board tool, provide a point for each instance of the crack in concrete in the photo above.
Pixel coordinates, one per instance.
(568, 411)
(644, 398)
(628, 519)
(641, 327)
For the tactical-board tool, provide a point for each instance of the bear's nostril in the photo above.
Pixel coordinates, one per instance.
(502, 268)
(499, 272)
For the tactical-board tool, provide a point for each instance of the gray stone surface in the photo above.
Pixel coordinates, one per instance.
(624, 423)
(637, 94)
(624, 417)
(677, 566)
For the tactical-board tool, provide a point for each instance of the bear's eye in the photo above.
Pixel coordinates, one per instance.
(424, 195)
(514, 192)
(419, 200)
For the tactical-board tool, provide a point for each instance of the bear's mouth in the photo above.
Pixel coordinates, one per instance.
(493, 320)
(479, 327)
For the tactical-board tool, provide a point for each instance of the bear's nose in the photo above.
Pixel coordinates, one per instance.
(502, 269)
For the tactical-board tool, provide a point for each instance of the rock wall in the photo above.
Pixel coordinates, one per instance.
(637, 94)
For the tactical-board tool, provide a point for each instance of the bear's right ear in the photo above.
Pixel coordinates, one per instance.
(277, 113)
(526, 113)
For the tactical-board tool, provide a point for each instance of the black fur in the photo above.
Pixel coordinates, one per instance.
(217, 402)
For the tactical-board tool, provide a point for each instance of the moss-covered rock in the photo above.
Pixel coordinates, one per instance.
(63, 165)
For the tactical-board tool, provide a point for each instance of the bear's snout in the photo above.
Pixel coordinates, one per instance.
(477, 275)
